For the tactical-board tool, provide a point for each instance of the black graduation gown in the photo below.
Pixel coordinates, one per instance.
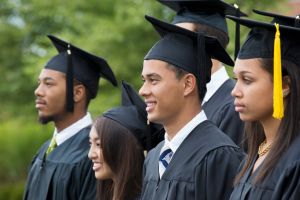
(282, 184)
(203, 167)
(220, 110)
(66, 173)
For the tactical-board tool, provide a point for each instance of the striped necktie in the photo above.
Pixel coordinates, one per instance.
(164, 160)
(52, 145)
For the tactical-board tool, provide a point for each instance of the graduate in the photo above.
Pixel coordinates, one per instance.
(118, 139)
(69, 81)
(267, 98)
(208, 17)
(196, 160)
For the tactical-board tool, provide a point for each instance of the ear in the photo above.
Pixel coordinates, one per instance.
(79, 93)
(286, 84)
(190, 83)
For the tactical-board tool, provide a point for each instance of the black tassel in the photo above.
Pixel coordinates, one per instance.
(237, 33)
(201, 68)
(69, 81)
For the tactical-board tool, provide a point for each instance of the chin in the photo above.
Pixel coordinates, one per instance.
(154, 119)
(102, 177)
(246, 118)
(45, 119)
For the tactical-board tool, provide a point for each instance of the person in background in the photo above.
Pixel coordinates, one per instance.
(196, 160)
(61, 168)
(208, 17)
(118, 139)
(267, 98)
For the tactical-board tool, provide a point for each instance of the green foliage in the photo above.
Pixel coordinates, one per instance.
(115, 30)
(19, 140)
(12, 191)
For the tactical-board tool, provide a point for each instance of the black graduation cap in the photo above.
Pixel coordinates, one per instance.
(80, 65)
(187, 50)
(208, 12)
(281, 19)
(271, 40)
(132, 114)
(260, 40)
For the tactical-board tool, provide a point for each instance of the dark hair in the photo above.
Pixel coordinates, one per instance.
(124, 155)
(180, 73)
(287, 131)
(211, 31)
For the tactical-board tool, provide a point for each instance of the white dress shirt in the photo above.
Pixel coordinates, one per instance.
(68, 132)
(217, 80)
(184, 132)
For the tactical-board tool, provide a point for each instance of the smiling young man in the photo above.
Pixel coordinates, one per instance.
(196, 160)
(61, 168)
(208, 17)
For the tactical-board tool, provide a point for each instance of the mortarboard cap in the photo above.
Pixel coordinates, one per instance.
(209, 12)
(132, 114)
(260, 40)
(80, 65)
(275, 41)
(281, 19)
(187, 50)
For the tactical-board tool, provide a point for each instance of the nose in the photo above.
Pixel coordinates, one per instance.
(38, 91)
(144, 90)
(91, 153)
(236, 92)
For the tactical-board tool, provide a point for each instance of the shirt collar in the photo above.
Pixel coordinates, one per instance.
(184, 132)
(68, 132)
(217, 80)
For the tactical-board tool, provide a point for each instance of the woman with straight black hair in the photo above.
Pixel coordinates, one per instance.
(118, 140)
(267, 95)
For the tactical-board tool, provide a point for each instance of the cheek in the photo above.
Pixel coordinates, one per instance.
(260, 99)
(57, 98)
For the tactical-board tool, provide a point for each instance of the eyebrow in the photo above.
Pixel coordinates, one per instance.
(242, 72)
(94, 139)
(151, 75)
(46, 79)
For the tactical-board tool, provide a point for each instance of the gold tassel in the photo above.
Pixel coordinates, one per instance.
(278, 108)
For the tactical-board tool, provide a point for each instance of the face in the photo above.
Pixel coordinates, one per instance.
(50, 95)
(162, 91)
(253, 91)
(100, 167)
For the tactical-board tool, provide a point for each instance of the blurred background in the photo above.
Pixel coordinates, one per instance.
(113, 29)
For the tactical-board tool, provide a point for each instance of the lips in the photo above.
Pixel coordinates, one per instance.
(39, 103)
(239, 107)
(150, 106)
(97, 166)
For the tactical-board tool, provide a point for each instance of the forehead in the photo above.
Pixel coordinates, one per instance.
(52, 74)
(155, 67)
(94, 134)
(247, 65)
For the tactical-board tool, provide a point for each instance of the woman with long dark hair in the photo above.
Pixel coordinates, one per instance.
(118, 139)
(267, 95)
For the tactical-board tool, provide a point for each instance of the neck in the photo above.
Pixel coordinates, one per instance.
(271, 127)
(216, 65)
(173, 127)
(67, 120)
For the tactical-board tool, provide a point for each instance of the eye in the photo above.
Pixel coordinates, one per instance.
(48, 83)
(247, 80)
(153, 80)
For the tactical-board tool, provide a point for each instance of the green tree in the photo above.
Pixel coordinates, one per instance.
(115, 30)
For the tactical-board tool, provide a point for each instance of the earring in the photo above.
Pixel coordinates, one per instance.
(285, 93)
